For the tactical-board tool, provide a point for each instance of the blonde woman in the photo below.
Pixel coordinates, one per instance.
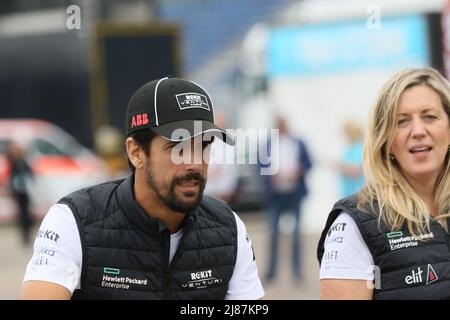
(391, 240)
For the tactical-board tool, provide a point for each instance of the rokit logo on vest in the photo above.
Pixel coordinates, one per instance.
(417, 276)
(397, 240)
(115, 279)
(201, 280)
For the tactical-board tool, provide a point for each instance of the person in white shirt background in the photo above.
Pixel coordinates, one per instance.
(285, 191)
(390, 240)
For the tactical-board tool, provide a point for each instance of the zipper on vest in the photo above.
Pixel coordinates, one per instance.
(166, 289)
(168, 273)
(186, 229)
(165, 255)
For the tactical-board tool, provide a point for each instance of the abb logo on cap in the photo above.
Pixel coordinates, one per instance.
(139, 120)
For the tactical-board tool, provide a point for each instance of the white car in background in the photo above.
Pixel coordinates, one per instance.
(59, 163)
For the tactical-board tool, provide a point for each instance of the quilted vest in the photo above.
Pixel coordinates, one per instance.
(406, 267)
(126, 252)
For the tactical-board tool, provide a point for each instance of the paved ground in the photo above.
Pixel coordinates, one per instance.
(284, 287)
(14, 257)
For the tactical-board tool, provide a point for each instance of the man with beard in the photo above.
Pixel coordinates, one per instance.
(152, 235)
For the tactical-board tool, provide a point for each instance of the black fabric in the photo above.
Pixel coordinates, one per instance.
(406, 267)
(126, 253)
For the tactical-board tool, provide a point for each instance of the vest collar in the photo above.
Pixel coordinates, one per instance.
(132, 209)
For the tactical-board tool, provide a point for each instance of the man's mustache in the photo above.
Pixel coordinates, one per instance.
(190, 176)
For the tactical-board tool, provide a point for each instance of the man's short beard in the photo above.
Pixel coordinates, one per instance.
(171, 200)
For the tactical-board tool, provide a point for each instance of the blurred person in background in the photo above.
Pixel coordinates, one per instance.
(350, 167)
(152, 235)
(285, 192)
(390, 241)
(222, 169)
(20, 175)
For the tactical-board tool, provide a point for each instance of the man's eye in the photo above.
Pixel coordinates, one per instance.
(171, 145)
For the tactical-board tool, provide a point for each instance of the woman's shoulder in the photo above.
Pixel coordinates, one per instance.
(357, 208)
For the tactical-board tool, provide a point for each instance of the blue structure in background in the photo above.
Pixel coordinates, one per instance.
(346, 46)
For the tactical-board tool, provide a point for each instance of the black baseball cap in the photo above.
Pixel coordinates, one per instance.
(174, 108)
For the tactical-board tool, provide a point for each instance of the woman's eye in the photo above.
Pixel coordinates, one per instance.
(402, 121)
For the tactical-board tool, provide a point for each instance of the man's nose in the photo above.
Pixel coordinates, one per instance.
(192, 166)
(196, 158)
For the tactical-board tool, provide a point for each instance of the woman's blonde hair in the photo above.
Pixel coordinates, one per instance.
(387, 191)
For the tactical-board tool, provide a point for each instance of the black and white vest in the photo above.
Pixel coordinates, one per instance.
(406, 267)
(126, 253)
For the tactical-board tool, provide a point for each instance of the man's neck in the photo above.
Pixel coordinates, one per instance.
(154, 206)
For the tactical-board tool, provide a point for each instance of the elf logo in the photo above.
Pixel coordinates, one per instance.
(417, 276)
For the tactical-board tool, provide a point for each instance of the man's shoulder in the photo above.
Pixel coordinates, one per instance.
(220, 209)
(209, 201)
(101, 187)
(96, 196)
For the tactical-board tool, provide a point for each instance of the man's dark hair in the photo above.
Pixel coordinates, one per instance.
(144, 139)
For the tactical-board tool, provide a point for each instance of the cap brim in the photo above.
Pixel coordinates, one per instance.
(187, 129)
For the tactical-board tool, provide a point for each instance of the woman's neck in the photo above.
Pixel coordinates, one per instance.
(425, 189)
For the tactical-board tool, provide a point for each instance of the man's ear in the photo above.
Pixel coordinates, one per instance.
(135, 153)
